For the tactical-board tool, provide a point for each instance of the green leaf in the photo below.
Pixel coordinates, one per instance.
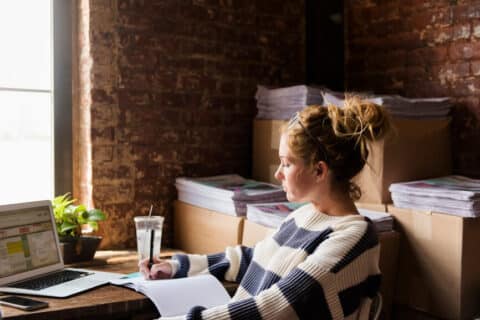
(81, 214)
(96, 215)
(66, 226)
(62, 201)
(80, 208)
(69, 210)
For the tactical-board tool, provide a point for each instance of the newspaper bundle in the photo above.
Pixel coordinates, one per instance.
(228, 193)
(456, 195)
(382, 220)
(282, 103)
(399, 106)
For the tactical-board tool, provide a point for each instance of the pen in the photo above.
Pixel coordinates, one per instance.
(152, 237)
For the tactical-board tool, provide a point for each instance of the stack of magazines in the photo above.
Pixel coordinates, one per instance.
(400, 106)
(282, 103)
(383, 221)
(228, 194)
(272, 214)
(456, 195)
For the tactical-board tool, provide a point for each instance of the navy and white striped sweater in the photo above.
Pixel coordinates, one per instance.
(314, 266)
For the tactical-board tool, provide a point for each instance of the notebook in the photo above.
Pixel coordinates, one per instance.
(31, 261)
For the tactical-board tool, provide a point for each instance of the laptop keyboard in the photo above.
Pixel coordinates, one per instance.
(50, 280)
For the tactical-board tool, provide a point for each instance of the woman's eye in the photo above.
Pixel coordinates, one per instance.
(285, 165)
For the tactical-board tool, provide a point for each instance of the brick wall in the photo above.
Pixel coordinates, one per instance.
(421, 48)
(172, 87)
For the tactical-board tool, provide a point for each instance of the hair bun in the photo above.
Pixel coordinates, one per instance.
(370, 119)
(360, 119)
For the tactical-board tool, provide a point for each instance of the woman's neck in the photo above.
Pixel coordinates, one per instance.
(335, 204)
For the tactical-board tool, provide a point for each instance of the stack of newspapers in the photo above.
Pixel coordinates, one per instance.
(282, 103)
(382, 220)
(228, 194)
(400, 106)
(272, 214)
(456, 195)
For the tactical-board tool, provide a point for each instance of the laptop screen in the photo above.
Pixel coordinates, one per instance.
(27, 240)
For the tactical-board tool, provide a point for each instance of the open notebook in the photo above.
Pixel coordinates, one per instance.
(175, 297)
(31, 261)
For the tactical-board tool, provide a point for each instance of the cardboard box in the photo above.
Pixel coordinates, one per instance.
(199, 230)
(266, 138)
(254, 232)
(389, 244)
(418, 149)
(389, 248)
(439, 263)
(372, 206)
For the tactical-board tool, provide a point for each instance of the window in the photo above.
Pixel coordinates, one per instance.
(28, 167)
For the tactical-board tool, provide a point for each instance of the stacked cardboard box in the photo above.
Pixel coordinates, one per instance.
(438, 268)
(200, 230)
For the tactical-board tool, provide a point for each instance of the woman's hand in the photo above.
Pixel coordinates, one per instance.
(159, 270)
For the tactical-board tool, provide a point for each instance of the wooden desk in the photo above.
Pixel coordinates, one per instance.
(106, 302)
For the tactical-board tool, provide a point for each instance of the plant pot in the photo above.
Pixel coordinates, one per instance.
(77, 249)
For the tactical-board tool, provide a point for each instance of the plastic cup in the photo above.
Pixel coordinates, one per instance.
(149, 236)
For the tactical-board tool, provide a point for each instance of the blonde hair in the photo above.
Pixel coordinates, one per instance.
(339, 136)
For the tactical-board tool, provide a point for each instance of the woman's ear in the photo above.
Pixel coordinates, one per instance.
(321, 170)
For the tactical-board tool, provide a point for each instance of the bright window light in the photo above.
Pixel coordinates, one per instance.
(26, 101)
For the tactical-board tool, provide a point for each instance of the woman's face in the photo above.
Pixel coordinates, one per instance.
(298, 180)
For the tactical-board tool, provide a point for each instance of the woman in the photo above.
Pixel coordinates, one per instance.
(322, 262)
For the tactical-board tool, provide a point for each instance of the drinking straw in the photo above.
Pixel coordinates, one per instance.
(152, 236)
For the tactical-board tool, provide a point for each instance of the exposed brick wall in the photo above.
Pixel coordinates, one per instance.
(421, 48)
(172, 94)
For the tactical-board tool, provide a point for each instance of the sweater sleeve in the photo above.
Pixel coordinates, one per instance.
(229, 265)
(330, 283)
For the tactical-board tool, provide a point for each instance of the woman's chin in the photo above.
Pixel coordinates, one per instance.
(290, 197)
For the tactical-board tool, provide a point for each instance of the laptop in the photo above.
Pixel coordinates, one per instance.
(30, 257)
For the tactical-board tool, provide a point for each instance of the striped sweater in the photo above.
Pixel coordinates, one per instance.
(314, 266)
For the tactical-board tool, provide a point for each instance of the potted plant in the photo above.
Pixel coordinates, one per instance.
(69, 219)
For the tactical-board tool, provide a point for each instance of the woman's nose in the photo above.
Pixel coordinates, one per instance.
(278, 174)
